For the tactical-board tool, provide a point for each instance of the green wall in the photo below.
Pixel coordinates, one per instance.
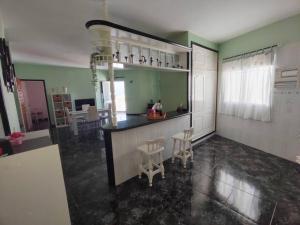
(173, 90)
(77, 80)
(179, 37)
(282, 32)
(140, 87)
(202, 41)
(186, 37)
(143, 85)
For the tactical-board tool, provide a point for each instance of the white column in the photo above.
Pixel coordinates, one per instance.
(112, 92)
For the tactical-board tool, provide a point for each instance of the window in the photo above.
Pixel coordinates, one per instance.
(246, 86)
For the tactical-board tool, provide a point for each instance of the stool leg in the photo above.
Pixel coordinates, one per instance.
(181, 152)
(192, 153)
(150, 179)
(140, 165)
(184, 161)
(150, 170)
(173, 153)
(162, 168)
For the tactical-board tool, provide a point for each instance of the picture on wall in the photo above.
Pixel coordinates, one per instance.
(8, 70)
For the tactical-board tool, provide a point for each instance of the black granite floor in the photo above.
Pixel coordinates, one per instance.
(228, 183)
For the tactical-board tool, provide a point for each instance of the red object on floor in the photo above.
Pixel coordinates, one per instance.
(16, 138)
(1, 151)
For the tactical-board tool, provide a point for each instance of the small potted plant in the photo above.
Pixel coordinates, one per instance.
(16, 138)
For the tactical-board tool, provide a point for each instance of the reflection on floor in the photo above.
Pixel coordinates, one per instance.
(228, 183)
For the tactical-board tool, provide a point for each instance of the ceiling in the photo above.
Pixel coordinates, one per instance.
(53, 31)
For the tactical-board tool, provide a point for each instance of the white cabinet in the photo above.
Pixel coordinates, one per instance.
(204, 90)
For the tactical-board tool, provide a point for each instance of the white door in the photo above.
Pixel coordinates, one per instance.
(204, 90)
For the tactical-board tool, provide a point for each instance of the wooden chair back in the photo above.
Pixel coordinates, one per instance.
(153, 145)
(188, 133)
(85, 107)
(93, 114)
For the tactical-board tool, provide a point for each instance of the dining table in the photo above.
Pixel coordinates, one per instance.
(81, 116)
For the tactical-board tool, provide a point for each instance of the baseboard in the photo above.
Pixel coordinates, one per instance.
(199, 140)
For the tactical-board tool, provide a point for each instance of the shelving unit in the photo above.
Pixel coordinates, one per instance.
(113, 43)
(135, 49)
(59, 102)
(145, 67)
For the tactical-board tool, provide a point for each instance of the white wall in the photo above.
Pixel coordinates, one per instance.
(9, 99)
(280, 137)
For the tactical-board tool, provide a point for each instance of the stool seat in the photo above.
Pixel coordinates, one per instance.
(144, 149)
(150, 151)
(180, 136)
(184, 150)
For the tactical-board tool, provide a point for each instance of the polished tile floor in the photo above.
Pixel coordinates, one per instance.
(228, 183)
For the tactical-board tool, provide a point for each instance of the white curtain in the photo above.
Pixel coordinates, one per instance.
(246, 86)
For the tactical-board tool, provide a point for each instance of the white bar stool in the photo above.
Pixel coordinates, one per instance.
(184, 150)
(150, 150)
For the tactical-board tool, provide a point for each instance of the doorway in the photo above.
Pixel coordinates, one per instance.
(33, 104)
(119, 94)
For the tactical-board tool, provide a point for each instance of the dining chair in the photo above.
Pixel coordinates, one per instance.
(184, 150)
(91, 126)
(93, 114)
(36, 134)
(150, 150)
(85, 107)
(69, 117)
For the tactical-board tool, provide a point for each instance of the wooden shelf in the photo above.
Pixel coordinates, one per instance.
(129, 47)
(130, 65)
(130, 36)
(144, 66)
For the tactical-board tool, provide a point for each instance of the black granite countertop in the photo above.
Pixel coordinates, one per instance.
(133, 121)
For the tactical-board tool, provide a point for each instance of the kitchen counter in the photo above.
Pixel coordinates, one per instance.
(134, 121)
(133, 130)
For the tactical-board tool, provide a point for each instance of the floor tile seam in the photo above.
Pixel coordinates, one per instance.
(227, 205)
(235, 211)
(273, 214)
(256, 196)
